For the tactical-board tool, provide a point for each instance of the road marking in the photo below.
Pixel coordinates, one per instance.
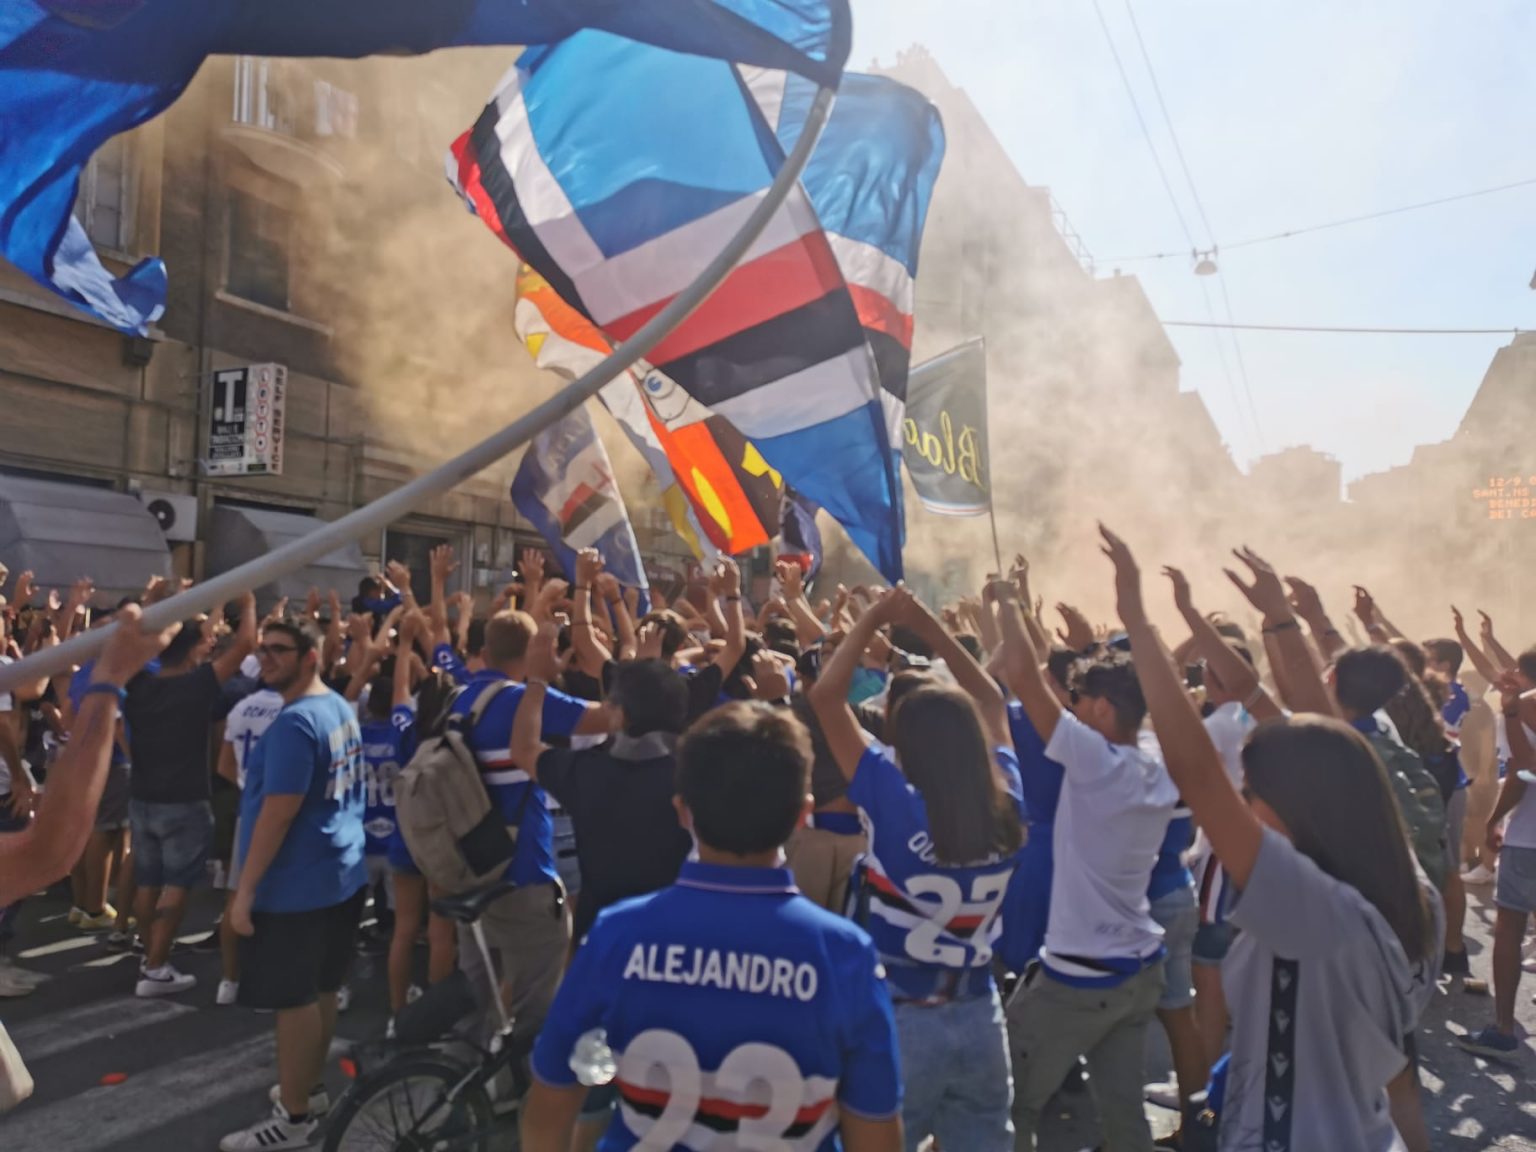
(101, 1019)
(103, 1118)
(68, 944)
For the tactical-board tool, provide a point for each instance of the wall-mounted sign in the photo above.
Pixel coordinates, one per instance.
(245, 422)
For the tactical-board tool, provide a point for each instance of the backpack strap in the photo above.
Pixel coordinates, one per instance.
(482, 702)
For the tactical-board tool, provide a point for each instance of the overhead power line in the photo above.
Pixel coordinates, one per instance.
(1346, 221)
(1345, 330)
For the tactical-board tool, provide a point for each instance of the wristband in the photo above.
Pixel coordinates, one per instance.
(101, 688)
(1283, 626)
(732, 599)
(1253, 698)
(581, 588)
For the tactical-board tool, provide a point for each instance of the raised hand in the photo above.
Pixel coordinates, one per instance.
(533, 569)
(1304, 598)
(1365, 606)
(360, 631)
(312, 603)
(1078, 633)
(1456, 619)
(608, 587)
(728, 578)
(23, 594)
(1182, 598)
(1127, 579)
(768, 675)
(543, 660)
(1484, 630)
(791, 579)
(588, 564)
(1266, 593)
(442, 563)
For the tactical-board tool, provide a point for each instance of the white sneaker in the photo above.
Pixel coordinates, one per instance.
(164, 981)
(343, 998)
(1164, 1095)
(1478, 876)
(1528, 963)
(319, 1099)
(18, 982)
(273, 1134)
(229, 991)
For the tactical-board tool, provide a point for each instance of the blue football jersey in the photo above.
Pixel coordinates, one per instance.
(387, 748)
(933, 923)
(740, 1015)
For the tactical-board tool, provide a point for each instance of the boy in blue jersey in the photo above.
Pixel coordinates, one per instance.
(739, 1014)
(529, 927)
(300, 893)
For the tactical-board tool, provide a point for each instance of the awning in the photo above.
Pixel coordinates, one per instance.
(61, 532)
(237, 535)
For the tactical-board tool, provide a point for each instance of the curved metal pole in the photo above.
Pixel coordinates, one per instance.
(373, 517)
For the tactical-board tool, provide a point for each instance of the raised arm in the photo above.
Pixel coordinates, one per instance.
(1517, 712)
(1234, 831)
(591, 653)
(528, 723)
(411, 625)
(829, 695)
(1365, 611)
(243, 644)
(1022, 664)
(1486, 667)
(1308, 605)
(1212, 647)
(1496, 651)
(725, 587)
(808, 629)
(901, 607)
(618, 612)
(1301, 678)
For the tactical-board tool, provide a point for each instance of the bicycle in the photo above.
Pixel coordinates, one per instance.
(433, 1089)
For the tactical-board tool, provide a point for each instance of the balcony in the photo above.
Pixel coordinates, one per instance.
(284, 116)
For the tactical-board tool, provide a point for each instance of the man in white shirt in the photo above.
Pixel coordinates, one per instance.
(246, 723)
(1101, 969)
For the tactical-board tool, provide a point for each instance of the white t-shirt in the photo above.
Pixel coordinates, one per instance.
(1115, 805)
(1520, 832)
(1228, 727)
(247, 721)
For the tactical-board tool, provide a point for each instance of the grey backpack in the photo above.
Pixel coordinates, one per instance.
(456, 836)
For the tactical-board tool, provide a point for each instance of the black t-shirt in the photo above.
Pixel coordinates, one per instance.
(827, 780)
(619, 796)
(170, 722)
(705, 685)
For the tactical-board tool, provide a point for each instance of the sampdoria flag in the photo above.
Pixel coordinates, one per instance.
(718, 491)
(74, 73)
(870, 181)
(565, 488)
(779, 349)
(799, 533)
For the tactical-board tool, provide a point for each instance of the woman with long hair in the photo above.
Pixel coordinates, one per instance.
(1336, 956)
(942, 807)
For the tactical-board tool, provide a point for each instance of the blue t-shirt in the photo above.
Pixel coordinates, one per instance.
(1168, 871)
(387, 748)
(740, 1016)
(933, 923)
(505, 782)
(1453, 712)
(81, 680)
(313, 749)
(1027, 903)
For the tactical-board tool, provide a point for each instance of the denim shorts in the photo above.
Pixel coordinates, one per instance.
(1179, 916)
(1515, 888)
(170, 843)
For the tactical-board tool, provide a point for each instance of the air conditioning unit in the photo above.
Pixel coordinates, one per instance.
(175, 512)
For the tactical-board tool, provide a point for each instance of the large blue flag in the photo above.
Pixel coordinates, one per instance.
(566, 488)
(74, 73)
(782, 350)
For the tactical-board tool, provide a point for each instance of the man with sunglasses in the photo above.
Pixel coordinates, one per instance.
(302, 877)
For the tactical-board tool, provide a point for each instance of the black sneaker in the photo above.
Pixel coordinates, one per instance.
(123, 942)
(1456, 964)
(209, 943)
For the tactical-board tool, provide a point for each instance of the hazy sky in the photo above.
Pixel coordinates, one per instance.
(1290, 114)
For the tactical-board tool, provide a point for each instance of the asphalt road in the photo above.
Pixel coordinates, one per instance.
(193, 1071)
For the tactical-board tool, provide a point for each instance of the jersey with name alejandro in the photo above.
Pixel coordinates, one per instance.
(313, 749)
(387, 748)
(933, 923)
(505, 782)
(740, 1015)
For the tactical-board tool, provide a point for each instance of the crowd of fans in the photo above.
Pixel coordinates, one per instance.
(838, 870)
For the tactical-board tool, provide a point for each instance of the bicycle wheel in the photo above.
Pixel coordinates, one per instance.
(403, 1107)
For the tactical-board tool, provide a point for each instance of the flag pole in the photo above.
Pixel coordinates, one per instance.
(373, 517)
